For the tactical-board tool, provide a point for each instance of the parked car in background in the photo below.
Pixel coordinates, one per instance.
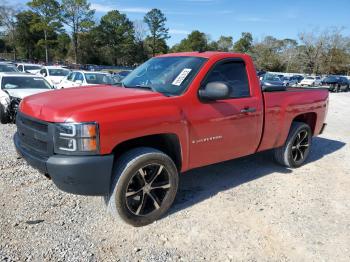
(29, 68)
(14, 87)
(311, 81)
(4, 104)
(120, 75)
(260, 73)
(271, 80)
(289, 81)
(6, 67)
(299, 78)
(86, 78)
(54, 74)
(336, 83)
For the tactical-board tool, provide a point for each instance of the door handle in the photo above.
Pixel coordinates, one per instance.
(248, 110)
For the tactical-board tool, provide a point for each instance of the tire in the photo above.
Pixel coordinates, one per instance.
(4, 118)
(337, 88)
(297, 146)
(144, 186)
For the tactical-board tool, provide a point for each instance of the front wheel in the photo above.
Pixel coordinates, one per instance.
(145, 185)
(297, 146)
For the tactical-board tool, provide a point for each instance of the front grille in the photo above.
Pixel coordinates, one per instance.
(34, 135)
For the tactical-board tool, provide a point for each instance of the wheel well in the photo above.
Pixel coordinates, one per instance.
(307, 118)
(167, 143)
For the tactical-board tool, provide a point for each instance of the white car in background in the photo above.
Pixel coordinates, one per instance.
(7, 67)
(311, 81)
(14, 86)
(29, 68)
(86, 78)
(54, 74)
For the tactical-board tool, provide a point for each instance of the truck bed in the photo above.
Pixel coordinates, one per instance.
(282, 107)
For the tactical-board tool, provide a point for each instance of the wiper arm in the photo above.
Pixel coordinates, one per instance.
(141, 87)
(119, 84)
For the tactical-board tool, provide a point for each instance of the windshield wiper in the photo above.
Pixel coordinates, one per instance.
(141, 87)
(119, 84)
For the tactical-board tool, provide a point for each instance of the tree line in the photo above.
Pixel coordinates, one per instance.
(66, 30)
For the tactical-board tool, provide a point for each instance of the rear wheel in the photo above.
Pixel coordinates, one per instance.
(144, 187)
(297, 146)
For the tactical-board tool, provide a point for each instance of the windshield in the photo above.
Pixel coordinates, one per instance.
(7, 68)
(32, 67)
(310, 78)
(99, 79)
(270, 77)
(58, 72)
(167, 75)
(17, 82)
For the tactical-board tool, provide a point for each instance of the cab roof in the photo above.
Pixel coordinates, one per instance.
(205, 54)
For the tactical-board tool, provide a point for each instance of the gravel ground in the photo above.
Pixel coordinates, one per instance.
(245, 209)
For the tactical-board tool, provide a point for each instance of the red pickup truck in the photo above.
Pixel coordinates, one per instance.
(175, 112)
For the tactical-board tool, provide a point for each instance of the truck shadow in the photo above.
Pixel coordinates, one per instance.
(202, 183)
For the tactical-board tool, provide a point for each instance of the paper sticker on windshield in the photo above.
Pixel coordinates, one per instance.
(181, 77)
(38, 79)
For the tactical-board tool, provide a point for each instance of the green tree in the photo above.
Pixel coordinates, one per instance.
(116, 34)
(155, 20)
(77, 15)
(243, 44)
(162, 47)
(91, 51)
(267, 55)
(195, 41)
(8, 22)
(26, 38)
(62, 46)
(49, 15)
(225, 43)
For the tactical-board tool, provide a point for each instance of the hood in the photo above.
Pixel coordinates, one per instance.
(83, 103)
(22, 93)
(34, 71)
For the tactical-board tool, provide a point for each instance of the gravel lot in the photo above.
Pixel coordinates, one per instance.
(245, 209)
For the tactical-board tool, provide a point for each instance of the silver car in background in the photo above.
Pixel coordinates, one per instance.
(289, 81)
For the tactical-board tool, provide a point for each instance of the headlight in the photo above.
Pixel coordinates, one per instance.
(76, 138)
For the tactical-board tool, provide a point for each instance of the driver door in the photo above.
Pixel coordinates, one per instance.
(229, 128)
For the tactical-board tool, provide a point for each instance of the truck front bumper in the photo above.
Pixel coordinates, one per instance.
(82, 175)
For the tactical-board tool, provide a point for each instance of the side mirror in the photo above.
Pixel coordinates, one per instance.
(215, 91)
(79, 82)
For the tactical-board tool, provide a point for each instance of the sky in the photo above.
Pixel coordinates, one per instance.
(281, 19)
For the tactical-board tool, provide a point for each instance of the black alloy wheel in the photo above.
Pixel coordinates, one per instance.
(300, 146)
(144, 187)
(147, 189)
